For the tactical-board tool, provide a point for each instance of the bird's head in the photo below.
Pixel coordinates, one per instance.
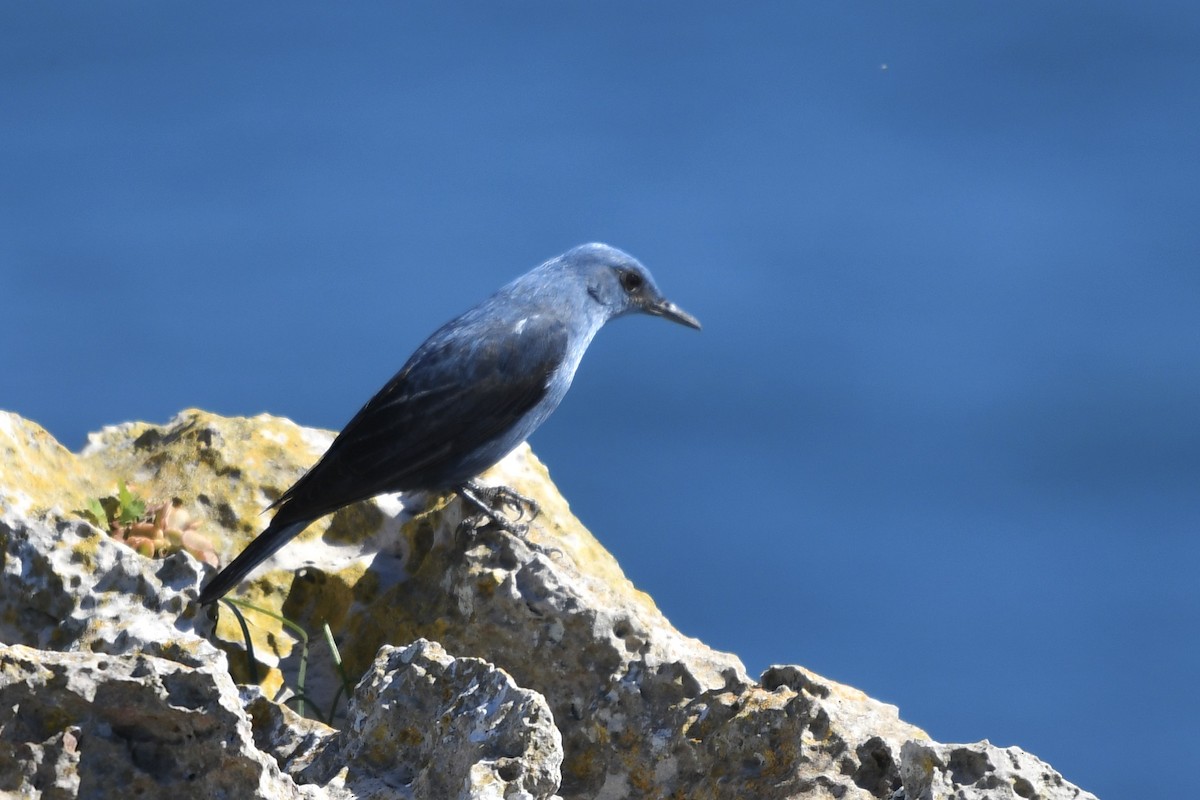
(621, 285)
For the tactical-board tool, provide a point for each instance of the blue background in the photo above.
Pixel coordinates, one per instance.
(940, 436)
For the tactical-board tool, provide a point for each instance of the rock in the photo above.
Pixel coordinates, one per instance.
(423, 725)
(980, 771)
(64, 585)
(551, 643)
(291, 740)
(426, 724)
(97, 726)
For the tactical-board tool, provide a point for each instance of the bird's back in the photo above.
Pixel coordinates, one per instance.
(477, 388)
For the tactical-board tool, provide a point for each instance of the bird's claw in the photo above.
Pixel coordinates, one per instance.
(490, 500)
(504, 496)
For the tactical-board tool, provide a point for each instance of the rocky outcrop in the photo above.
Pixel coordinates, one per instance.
(487, 665)
(93, 725)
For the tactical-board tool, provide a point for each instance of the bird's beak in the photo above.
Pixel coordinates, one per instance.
(668, 310)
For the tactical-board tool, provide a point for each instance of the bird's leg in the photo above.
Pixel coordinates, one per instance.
(490, 499)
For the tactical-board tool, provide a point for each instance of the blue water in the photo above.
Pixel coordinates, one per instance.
(940, 437)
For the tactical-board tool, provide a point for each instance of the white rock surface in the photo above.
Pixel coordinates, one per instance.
(980, 771)
(65, 585)
(426, 724)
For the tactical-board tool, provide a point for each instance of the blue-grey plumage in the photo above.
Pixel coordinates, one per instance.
(477, 388)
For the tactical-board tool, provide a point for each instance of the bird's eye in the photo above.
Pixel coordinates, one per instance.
(631, 281)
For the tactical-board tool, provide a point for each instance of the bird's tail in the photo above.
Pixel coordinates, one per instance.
(259, 550)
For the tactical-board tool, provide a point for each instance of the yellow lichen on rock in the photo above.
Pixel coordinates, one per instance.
(39, 473)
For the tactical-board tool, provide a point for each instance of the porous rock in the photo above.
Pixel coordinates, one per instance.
(65, 585)
(980, 771)
(97, 726)
(642, 710)
(426, 724)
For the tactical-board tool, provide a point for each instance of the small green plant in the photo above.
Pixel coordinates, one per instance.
(298, 696)
(154, 531)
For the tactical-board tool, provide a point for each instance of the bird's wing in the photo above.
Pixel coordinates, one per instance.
(455, 394)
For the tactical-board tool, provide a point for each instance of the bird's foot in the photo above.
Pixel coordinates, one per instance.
(491, 500)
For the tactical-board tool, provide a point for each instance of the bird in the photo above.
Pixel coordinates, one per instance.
(468, 396)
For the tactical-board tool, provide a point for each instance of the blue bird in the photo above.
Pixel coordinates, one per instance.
(477, 388)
